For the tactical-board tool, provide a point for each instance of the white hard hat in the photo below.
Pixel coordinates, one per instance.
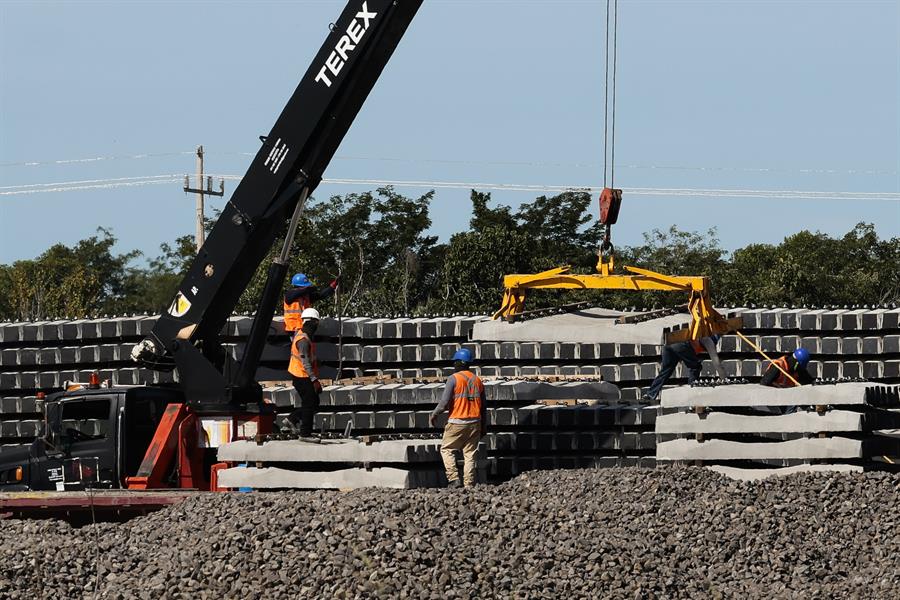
(310, 313)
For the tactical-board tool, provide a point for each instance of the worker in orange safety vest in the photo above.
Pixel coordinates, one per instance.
(464, 398)
(304, 368)
(795, 364)
(302, 295)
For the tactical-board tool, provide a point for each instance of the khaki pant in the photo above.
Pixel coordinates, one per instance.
(465, 438)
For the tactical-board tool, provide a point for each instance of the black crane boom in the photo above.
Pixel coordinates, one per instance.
(289, 165)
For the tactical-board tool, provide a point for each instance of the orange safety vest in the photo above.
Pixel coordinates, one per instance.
(466, 396)
(781, 381)
(292, 312)
(296, 367)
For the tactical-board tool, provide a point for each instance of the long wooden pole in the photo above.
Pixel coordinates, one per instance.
(758, 349)
(200, 233)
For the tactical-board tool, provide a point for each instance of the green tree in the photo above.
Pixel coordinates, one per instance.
(547, 233)
(746, 278)
(475, 265)
(6, 298)
(484, 217)
(376, 240)
(563, 230)
(86, 278)
(815, 269)
(151, 288)
(670, 252)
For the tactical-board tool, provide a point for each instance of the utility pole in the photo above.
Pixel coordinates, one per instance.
(200, 232)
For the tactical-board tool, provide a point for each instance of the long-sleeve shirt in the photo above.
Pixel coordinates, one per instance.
(304, 349)
(315, 294)
(447, 398)
(710, 347)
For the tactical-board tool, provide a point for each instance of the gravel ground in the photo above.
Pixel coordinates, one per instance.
(616, 533)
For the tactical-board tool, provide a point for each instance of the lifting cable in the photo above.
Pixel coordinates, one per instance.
(609, 117)
(609, 197)
(612, 145)
(606, 98)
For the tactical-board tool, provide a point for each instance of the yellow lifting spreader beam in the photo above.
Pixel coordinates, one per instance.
(705, 321)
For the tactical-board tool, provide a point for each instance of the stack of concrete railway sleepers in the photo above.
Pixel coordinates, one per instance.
(41, 356)
(531, 424)
(331, 464)
(750, 431)
(845, 344)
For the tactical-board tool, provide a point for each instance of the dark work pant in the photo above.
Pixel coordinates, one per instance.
(671, 356)
(309, 403)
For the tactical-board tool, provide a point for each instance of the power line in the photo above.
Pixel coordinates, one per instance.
(433, 184)
(502, 163)
(86, 181)
(790, 194)
(69, 161)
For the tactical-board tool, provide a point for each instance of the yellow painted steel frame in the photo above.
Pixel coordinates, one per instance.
(705, 320)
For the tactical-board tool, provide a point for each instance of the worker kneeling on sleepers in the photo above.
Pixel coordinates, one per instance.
(464, 399)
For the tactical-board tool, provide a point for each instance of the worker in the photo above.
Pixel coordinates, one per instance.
(304, 368)
(301, 296)
(795, 364)
(691, 353)
(464, 399)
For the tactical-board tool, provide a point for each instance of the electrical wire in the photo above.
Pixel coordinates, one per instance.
(69, 161)
(90, 185)
(66, 186)
(503, 163)
(86, 181)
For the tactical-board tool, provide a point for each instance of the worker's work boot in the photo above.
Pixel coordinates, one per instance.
(289, 427)
(454, 484)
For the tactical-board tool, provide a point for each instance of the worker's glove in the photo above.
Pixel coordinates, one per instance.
(335, 282)
(317, 385)
(432, 420)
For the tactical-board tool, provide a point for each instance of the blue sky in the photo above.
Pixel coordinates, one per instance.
(750, 95)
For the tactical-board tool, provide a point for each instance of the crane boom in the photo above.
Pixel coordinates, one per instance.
(289, 165)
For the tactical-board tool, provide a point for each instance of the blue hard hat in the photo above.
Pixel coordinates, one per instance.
(463, 355)
(300, 280)
(802, 356)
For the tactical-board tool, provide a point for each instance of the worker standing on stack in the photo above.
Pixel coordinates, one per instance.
(795, 364)
(301, 296)
(464, 399)
(304, 367)
(691, 353)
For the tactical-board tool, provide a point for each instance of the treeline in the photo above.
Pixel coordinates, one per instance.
(378, 242)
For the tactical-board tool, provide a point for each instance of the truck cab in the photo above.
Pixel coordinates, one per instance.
(93, 437)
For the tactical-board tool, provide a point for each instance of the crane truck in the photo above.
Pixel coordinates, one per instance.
(153, 437)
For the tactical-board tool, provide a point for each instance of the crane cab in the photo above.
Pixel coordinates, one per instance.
(93, 437)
